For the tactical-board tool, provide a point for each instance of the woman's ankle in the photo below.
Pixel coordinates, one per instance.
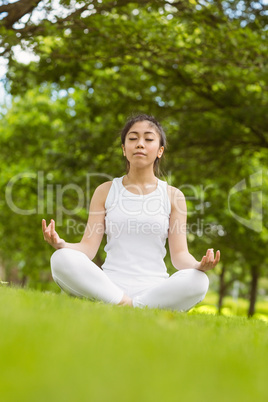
(126, 301)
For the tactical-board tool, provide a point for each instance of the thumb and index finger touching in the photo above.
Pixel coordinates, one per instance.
(46, 228)
(210, 256)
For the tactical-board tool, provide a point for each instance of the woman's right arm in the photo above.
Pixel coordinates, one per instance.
(94, 229)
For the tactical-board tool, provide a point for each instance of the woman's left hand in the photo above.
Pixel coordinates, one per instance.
(208, 261)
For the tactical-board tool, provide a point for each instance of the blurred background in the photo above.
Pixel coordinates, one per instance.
(71, 74)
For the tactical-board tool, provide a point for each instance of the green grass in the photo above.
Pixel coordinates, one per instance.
(232, 307)
(58, 348)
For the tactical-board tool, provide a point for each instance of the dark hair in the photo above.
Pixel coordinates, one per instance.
(145, 117)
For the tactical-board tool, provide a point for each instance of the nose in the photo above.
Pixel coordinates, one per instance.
(140, 143)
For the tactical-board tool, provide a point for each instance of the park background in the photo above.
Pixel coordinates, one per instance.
(74, 72)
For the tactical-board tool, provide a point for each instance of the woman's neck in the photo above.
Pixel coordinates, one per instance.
(141, 177)
(140, 184)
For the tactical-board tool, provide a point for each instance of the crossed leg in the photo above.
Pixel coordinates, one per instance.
(181, 291)
(77, 275)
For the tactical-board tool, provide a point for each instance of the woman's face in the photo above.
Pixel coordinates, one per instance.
(142, 144)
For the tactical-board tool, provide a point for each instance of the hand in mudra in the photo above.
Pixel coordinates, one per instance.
(208, 261)
(51, 236)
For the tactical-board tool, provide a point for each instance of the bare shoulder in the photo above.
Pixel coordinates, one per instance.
(175, 195)
(104, 187)
(100, 194)
(177, 201)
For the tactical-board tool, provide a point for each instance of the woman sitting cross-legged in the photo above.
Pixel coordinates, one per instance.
(138, 212)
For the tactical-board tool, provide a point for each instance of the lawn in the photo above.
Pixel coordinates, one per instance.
(59, 348)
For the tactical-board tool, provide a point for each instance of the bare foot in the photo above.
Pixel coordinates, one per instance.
(126, 301)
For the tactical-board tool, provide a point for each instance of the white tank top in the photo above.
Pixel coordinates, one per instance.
(137, 228)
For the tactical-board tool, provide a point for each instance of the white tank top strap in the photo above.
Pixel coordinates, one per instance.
(163, 186)
(113, 194)
(118, 189)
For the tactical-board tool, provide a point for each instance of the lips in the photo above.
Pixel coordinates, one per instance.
(139, 153)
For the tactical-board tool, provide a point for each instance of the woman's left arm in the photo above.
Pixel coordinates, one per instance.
(177, 237)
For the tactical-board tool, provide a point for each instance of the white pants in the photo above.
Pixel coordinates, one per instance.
(77, 275)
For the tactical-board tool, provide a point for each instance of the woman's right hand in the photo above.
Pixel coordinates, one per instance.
(51, 236)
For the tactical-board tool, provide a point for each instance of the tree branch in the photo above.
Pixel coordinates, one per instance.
(16, 11)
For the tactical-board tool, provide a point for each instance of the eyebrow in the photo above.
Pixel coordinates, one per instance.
(146, 132)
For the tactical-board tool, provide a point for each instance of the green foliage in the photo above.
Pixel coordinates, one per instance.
(200, 68)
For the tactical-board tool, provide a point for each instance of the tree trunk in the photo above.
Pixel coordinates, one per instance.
(24, 280)
(221, 289)
(253, 290)
(2, 273)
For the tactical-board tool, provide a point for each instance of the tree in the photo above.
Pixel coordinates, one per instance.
(201, 68)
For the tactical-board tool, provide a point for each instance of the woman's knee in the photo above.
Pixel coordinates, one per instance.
(58, 260)
(198, 282)
(201, 281)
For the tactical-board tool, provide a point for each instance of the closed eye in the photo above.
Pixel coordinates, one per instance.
(147, 139)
